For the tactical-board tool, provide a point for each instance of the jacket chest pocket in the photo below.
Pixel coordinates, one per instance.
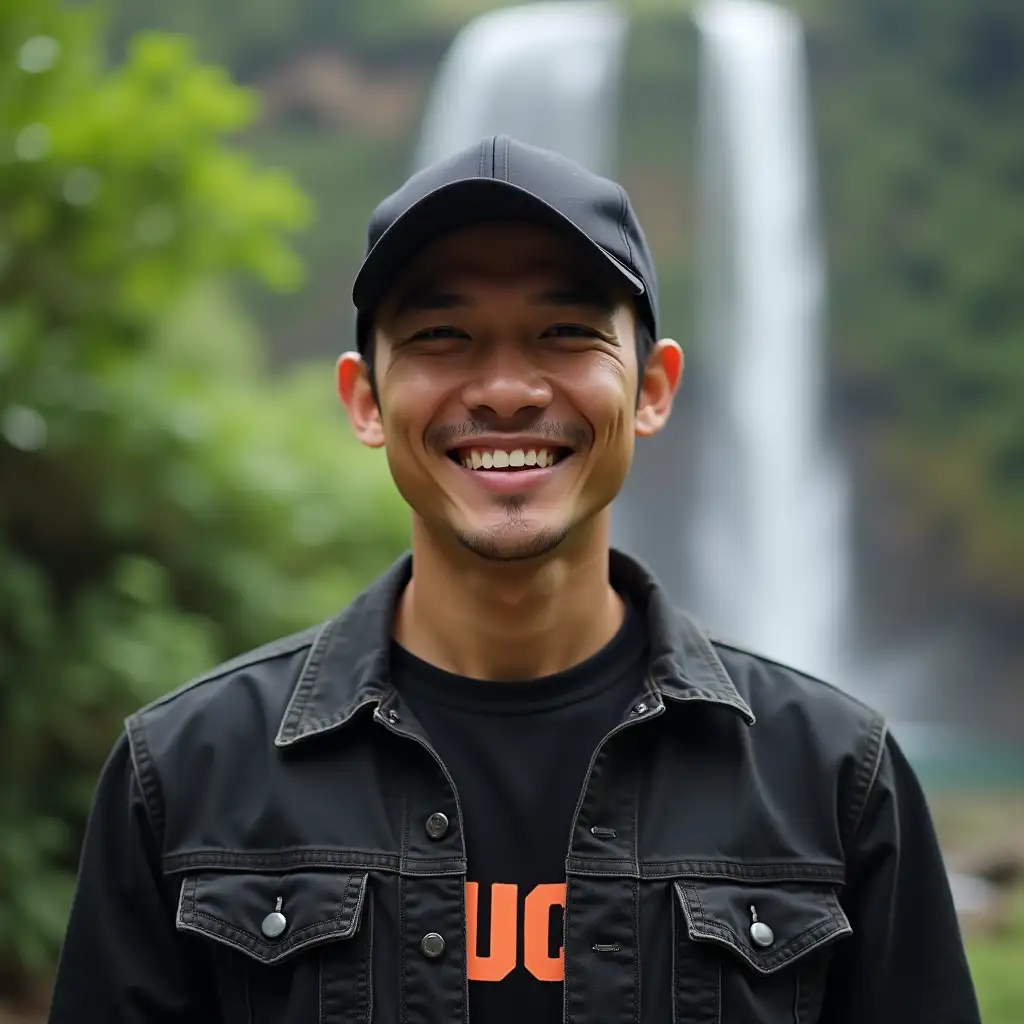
(286, 949)
(753, 953)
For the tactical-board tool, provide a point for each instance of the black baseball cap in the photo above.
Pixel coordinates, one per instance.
(501, 178)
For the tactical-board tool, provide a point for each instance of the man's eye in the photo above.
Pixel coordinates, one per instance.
(571, 331)
(439, 332)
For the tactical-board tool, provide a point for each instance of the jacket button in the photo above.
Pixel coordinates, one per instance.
(437, 825)
(432, 945)
(274, 924)
(640, 709)
(759, 931)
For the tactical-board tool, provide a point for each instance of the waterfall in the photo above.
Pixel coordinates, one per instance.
(769, 538)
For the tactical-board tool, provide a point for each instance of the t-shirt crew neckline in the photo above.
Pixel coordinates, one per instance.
(601, 671)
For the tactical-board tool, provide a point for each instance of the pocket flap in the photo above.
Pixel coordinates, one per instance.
(236, 909)
(794, 919)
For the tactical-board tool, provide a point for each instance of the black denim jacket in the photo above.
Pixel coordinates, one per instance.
(266, 847)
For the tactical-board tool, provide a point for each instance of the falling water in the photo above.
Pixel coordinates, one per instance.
(770, 539)
(547, 74)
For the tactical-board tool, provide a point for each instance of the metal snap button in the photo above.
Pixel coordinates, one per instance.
(275, 922)
(432, 945)
(437, 825)
(639, 709)
(760, 932)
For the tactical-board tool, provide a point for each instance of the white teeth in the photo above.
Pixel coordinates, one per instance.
(500, 459)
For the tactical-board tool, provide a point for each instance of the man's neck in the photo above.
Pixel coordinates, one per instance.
(486, 619)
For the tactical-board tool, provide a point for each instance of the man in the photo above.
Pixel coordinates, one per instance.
(509, 783)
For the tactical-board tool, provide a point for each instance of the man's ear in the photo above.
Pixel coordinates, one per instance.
(355, 392)
(662, 374)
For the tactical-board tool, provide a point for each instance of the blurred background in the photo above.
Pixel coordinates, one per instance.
(832, 190)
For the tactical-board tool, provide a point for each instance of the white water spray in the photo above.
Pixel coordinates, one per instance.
(770, 541)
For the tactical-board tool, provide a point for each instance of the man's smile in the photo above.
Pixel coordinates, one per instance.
(511, 465)
(508, 457)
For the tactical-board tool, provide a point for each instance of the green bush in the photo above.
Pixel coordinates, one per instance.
(163, 504)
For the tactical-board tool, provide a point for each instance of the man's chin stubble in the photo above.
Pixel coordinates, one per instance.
(500, 544)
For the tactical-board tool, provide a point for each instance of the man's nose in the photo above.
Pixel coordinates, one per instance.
(505, 382)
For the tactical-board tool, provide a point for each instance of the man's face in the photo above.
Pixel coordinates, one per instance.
(507, 377)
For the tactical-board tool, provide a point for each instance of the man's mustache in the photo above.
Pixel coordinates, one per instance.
(444, 436)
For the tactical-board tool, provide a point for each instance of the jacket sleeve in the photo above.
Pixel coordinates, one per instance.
(905, 960)
(122, 960)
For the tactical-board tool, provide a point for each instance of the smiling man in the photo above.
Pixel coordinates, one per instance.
(510, 783)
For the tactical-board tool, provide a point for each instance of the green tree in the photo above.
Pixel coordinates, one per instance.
(163, 504)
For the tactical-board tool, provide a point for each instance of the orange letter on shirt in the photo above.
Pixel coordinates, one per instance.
(502, 959)
(537, 929)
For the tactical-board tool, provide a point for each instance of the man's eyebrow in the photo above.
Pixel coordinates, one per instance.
(424, 298)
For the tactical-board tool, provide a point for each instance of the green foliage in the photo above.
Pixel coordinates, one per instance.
(995, 965)
(162, 504)
(348, 173)
(918, 110)
(252, 35)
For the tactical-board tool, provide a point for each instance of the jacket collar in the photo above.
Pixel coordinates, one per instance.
(347, 668)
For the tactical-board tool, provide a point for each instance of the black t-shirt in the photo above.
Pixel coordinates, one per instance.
(518, 753)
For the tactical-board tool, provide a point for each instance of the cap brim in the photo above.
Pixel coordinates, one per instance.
(457, 205)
